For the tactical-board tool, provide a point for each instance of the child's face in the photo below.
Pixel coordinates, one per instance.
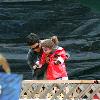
(47, 50)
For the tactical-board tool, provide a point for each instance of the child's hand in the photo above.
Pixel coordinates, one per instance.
(35, 66)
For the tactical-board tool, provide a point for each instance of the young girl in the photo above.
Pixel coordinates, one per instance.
(55, 57)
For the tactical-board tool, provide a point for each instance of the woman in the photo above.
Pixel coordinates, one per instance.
(55, 56)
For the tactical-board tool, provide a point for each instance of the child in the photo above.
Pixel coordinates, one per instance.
(55, 57)
(4, 64)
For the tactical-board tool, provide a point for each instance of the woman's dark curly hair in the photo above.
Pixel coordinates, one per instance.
(31, 39)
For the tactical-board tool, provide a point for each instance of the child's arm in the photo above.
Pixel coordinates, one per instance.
(40, 62)
(61, 57)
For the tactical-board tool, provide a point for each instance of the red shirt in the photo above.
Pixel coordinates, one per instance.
(55, 71)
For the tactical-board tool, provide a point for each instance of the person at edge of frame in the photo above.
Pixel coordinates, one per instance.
(4, 66)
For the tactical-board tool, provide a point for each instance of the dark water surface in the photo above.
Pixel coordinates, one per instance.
(77, 27)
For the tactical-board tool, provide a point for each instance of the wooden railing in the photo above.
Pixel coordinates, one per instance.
(60, 90)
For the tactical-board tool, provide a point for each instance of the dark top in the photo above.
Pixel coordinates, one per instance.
(33, 56)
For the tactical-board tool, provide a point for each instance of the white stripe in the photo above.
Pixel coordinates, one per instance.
(59, 48)
(60, 59)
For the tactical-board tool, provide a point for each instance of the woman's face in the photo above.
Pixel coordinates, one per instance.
(46, 50)
(36, 47)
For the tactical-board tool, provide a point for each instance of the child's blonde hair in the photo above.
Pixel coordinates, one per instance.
(4, 64)
(50, 43)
